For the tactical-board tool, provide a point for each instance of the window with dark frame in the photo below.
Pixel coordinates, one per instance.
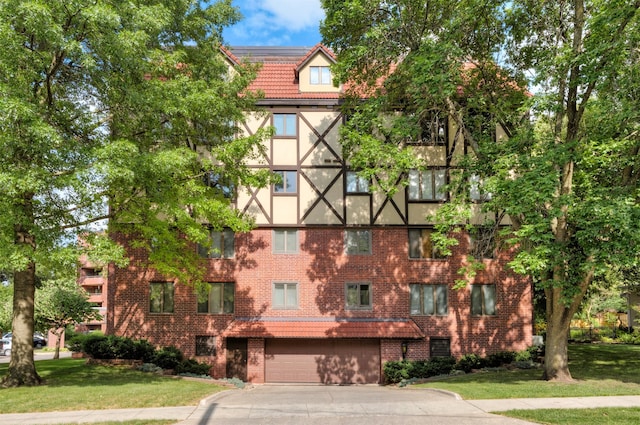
(220, 299)
(285, 295)
(358, 241)
(161, 296)
(205, 345)
(429, 299)
(222, 245)
(421, 244)
(439, 347)
(482, 242)
(223, 185)
(483, 300)
(285, 241)
(433, 130)
(285, 124)
(358, 296)
(476, 191)
(356, 184)
(288, 183)
(427, 185)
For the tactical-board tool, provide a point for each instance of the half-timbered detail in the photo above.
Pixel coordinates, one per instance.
(335, 279)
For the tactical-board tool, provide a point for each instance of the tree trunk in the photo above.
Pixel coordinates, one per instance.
(22, 368)
(58, 333)
(556, 357)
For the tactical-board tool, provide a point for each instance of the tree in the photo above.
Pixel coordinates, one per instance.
(60, 303)
(567, 174)
(120, 111)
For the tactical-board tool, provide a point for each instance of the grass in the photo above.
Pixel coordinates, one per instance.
(599, 370)
(600, 416)
(71, 384)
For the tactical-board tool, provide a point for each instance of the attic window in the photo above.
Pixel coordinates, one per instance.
(319, 75)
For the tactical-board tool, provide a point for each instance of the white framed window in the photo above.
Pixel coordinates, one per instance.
(222, 244)
(427, 185)
(288, 183)
(285, 241)
(358, 296)
(421, 245)
(357, 241)
(356, 183)
(285, 295)
(476, 192)
(319, 75)
(161, 297)
(285, 124)
(220, 299)
(429, 300)
(483, 300)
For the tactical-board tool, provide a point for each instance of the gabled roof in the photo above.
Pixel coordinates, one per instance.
(278, 77)
(320, 328)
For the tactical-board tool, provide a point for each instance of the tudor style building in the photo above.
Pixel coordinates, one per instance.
(334, 280)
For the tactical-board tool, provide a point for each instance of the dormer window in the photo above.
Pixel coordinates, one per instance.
(319, 75)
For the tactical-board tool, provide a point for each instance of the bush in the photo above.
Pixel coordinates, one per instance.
(500, 358)
(168, 357)
(468, 362)
(396, 371)
(98, 346)
(144, 350)
(193, 367)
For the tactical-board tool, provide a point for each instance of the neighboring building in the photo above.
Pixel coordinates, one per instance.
(335, 280)
(91, 278)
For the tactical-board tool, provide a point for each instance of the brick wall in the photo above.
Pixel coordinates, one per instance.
(321, 270)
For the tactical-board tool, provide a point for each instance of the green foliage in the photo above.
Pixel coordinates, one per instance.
(62, 302)
(399, 371)
(468, 362)
(500, 358)
(395, 371)
(168, 357)
(192, 367)
(101, 346)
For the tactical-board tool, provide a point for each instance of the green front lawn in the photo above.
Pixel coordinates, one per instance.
(601, 416)
(599, 370)
(70, 384)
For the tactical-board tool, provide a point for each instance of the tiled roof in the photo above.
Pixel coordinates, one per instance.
(277, 78)
(323, 328)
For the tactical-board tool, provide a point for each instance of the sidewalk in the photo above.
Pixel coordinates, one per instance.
(202, 414)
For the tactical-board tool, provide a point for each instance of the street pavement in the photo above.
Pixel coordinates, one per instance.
(327, 405)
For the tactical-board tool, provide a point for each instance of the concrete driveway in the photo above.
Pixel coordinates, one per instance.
(329, 405)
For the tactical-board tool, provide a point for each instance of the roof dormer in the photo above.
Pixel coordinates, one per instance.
(313, 71)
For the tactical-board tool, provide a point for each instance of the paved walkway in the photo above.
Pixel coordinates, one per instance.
(328, 405)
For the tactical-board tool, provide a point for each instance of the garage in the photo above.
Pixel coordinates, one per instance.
(324, 361)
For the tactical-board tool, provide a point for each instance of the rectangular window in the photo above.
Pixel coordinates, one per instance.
(285, 295)
(319, 75)
(427, 185)
(205, 345)
(288, 182)
(356, 183)
(222, 185)
(285, 241)
(439, 347)
(483, 300)
(429, 300)
(476, 192)
(358, 296)
(421, 245)
(219, 299)
(358, 241)
(285, 124)
(482, 242)
(161, 297)
(222, 245)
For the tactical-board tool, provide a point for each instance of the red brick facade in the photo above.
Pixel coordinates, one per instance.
(321, 269)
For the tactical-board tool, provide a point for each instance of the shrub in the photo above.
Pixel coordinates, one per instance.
(468, 362)
(144, 350)
(98, 346)
(500, 358)
(149, 368)
(192, 367)
(168, 357)
(396, 371)
(441, 365)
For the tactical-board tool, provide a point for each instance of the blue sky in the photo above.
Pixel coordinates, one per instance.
(276, 23)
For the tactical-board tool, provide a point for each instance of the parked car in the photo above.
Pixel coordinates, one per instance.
(5, 346)
(39, 341)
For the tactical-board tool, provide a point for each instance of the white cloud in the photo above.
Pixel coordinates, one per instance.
(276, 22)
